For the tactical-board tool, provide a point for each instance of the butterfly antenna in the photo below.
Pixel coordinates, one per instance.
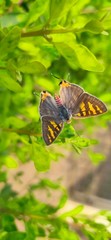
(68, 76)
(35, 93)
(55, 76)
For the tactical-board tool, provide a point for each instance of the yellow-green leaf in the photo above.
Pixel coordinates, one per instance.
(32, 67)
(80, 56)
(59, 8)
(10, 41)
(36, 10)
(94, 26)
(11, 162)
(7, 81)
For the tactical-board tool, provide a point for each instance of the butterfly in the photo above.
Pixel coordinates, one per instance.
(72, 102)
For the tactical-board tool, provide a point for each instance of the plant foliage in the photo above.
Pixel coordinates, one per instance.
(40, 38)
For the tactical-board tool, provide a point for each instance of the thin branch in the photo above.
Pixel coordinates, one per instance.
(21, 131)
(26, 215)
(3, 68)
(45, 32)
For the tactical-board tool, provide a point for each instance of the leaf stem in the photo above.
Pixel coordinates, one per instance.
(21, 131)
(3, 68)
(43, 32)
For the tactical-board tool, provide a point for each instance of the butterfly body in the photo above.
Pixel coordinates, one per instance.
(64, 113)
(73, 102)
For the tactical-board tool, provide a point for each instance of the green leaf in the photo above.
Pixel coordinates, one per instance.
(96, 158)
(7, 81)
(2, 34)
(12, 19)
(11, 162)
(106, 18)
(79, 143)
(31, 129)
(37, 9)
(32, 67)
(59, 8)
(94, 26)
(10, 41)
(7, 193)
(79, 55)
(84, 142)
(65, 234)
(3, 176)
(14, 122)
(62, 201)
(8, 223)
(68, 37)
(49, 183)
(73, 212)
(16, 235)
(15, 74)
(44, 183)
(41, 157)
(3, 235)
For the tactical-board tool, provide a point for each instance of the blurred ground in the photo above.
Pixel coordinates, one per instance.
(85, 182)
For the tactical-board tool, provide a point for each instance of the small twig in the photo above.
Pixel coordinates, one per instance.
(44, 32)
(21, 131)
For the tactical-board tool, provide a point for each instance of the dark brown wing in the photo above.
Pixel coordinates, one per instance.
(69, 94)
(88, 106)
(48, 106)
(51, 127)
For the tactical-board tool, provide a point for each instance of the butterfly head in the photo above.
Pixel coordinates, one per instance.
(44, 95)
(64, 83)
(69, 121)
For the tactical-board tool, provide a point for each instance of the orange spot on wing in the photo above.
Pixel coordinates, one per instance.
(83, 108)
(91, 108)
(54, 125)
(98, 109)
(78, 114)
(51, 132)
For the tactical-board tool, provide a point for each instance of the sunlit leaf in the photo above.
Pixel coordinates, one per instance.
(94, 26)
(3, 176)
(32, 67)
(96, 158)
(12, 19)
(41, 157)
(66, 234)
(79, 55)
(62, 201)
(11, 162)
(16, 234)
(15, 74)
(73, 212)
(31, 129)
(10, 41)
(59, 8)
(37, 9)
(8, 82)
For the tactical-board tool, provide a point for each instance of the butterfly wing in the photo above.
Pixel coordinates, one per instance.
(50, 116)
(48, 106)
(69, 94)
(51, 127)
(79, 103)
(87, 106)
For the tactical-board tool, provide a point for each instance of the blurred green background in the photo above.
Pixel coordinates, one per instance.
(39, 39)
